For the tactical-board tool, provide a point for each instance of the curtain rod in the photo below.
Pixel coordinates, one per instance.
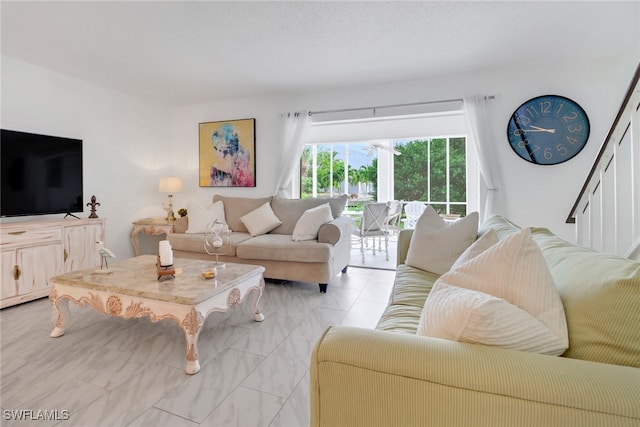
(412, 104)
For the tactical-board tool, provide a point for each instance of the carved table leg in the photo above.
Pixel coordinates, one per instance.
(62, 315)
(257, 315)
(192, 325)
(193, 366)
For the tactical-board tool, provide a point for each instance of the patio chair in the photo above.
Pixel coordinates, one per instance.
(393, 218)
(372, 225)
(412, 211)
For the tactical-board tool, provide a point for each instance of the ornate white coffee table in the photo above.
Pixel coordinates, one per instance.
(132, 290)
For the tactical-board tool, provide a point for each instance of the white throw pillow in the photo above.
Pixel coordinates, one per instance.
(199, 217)
(436, 244)
(260, 220)
(460, 314)
(310, 222)
(513, 270)
(483, 243)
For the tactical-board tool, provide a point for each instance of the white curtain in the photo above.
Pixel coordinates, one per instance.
(294, 131)
(478, 119)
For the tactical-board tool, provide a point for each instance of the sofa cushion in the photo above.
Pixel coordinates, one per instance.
(195, 242)
(310, 222)
(484, 242)
(400, 318)
(199, 216)
(411, 286)
(260, 220)
(526, 313)
(290, 210)
(601, 297)
(500, 225)
(436, 244)
(465, 315)
(236, 207)
(279, 247)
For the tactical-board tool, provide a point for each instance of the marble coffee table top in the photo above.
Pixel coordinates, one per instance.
(138, 277)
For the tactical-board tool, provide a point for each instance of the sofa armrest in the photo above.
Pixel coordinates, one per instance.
(335, 230)
(404, 238)
(378, 378)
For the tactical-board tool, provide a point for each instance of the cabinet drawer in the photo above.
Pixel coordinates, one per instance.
(25, 236)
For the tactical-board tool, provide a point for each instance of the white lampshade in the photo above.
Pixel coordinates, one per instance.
(170, 184)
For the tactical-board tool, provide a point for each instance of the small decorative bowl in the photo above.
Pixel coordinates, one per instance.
(209, 273)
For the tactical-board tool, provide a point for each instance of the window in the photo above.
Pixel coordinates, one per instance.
(433, 170)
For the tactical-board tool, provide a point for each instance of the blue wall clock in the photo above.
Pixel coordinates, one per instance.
(548, 130)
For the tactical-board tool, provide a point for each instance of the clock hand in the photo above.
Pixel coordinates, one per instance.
(539, 129)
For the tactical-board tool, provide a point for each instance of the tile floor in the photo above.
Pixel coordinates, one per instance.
(376, 260)
(114, 372)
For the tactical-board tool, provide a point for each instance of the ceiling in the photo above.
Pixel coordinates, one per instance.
(186, 52)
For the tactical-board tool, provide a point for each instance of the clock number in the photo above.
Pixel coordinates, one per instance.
(522, 120)
(537, 147)
(562, 150)
(547, 153)
(574, 128)
(532, 111)
(518, 132)
(559, 108)
(571, 116)
(571, 140)
(522, 144)
(545, 107)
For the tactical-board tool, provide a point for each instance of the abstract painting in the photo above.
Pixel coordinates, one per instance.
(228, 153)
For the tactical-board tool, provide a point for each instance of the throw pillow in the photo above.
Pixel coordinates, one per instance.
(199, 216)
(310, 222)
(513, 270)
(435, 244)
(483, 243)
(465, 315)
(261, 220)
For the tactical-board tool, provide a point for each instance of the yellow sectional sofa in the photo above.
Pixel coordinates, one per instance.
(392, 377)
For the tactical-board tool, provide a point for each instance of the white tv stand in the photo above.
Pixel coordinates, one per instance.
(34, 251)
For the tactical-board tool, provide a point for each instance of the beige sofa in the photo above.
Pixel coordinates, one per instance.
(390, 376)
(308, 261)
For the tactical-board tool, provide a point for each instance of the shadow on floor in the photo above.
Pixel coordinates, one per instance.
(371, 260)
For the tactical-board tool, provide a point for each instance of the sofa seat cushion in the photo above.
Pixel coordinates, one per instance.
(601, 298)
(195, 242)
(280, 247)
(411, 286)
(400, 318)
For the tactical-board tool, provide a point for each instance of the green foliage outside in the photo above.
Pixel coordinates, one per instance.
(411, 173)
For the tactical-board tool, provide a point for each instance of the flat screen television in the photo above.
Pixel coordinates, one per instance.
(40, 174)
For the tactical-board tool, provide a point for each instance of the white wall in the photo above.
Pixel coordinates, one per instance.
(532, 195)
(130, 142)
(125, 140)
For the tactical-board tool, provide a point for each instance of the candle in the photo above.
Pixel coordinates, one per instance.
(165, 252)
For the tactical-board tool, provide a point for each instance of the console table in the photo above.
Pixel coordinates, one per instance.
(150, 226)
(34, 251)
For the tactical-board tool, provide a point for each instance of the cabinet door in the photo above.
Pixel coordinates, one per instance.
(81, 249)
(9, 283)
(38, 264)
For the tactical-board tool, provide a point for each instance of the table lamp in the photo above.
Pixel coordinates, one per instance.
(170, 185)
